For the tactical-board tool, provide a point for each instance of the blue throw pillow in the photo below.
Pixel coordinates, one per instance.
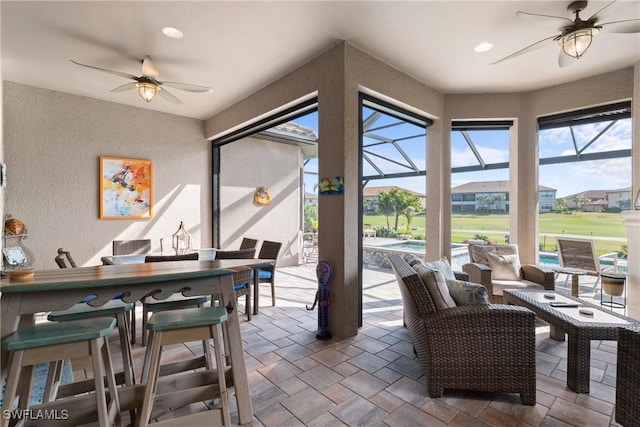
(465, 293)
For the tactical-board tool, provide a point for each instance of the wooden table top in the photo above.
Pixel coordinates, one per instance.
(111, 275)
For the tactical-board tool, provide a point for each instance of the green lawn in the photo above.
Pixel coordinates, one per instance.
(495, 226)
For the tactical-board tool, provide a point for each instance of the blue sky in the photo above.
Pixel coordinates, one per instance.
(493, 146)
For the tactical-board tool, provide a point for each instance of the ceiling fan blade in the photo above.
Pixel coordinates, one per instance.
(564, 60)
(168, 96)
(595, 15)
(628, 26)
(527, 49)
(125, 87)
(187, 87)
(116, 73)
(149, 68)
(550, 21)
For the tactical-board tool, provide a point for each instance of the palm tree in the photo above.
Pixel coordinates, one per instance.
(385, 205)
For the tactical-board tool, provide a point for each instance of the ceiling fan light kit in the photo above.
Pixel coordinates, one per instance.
(147, 91)
(576, 43)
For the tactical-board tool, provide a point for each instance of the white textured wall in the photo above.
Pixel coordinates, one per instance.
(52, 142)
(250, 163)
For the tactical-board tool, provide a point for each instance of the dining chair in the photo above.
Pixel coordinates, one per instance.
(241, 278)
(174, 302)
(131, 247)
(248, 243)
(269, 250)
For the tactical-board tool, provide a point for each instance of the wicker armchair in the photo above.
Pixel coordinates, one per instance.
(472, 347)
(526, 275)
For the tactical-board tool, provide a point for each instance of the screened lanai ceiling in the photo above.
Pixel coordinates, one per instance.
(394, 144)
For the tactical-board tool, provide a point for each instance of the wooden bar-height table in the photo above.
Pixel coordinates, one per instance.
(60, 289)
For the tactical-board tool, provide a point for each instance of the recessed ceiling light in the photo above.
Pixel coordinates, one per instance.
(483, 47)
(171, 32)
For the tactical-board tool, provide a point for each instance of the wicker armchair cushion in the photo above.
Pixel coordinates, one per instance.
(504, 267)
(467, 293)
(436, 286)
(478, 253)
(443, 266)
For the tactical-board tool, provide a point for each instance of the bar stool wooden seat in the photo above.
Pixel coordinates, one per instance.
(180, 326)
(117, 309)
(51, 342)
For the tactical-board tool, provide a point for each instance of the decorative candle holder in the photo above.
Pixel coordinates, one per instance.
(181, 240)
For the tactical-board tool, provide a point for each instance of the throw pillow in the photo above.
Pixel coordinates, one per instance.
(443, 266)
(465, 293)
(413, 260)
(504, 267)
(437, 287)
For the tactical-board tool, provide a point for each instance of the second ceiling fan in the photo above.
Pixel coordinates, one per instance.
(575, 35)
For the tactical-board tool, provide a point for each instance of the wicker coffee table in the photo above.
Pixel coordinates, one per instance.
(580, 328)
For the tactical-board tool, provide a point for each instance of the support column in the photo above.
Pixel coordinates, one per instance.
(632, 222)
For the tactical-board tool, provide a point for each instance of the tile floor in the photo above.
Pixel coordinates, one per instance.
(373, 379)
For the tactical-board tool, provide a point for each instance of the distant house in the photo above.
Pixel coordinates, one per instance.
(599, 200)
(620, 198)
(310, 198)
(493, 196)
(587, 201)
(370, 194)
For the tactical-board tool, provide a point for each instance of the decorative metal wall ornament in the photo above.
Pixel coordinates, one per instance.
(331, 186)
(262, 196)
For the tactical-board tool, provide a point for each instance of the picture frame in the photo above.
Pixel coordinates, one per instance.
(126, 188)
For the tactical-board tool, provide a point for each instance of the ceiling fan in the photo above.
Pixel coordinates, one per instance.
(148, 84)
(575, 35)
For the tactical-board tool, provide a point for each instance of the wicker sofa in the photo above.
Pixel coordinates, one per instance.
(628, 377)
(508, 274)
(480, 347)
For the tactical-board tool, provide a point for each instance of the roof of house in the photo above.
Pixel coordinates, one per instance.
(308, 195)
(589, 194)
(489, 187)
(375, 191)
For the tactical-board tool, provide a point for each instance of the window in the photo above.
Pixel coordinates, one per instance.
(585, 156)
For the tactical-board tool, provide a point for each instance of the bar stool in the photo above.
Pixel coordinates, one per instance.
(180, 326)
(117, 309)
(52, 342)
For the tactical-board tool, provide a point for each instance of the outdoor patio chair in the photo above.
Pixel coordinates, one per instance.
(498, 267)
(269, 250)
(461, 340)
(248, 243)
(242, 277)
(579, 254)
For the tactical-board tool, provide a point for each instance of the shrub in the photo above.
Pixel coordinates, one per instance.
(386, 232)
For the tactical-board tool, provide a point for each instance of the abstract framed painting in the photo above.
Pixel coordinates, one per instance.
(126, 188)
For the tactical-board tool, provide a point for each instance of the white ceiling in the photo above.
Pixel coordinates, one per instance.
(239, 47)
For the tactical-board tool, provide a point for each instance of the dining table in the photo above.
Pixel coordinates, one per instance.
(49, 290)
(204, 254)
